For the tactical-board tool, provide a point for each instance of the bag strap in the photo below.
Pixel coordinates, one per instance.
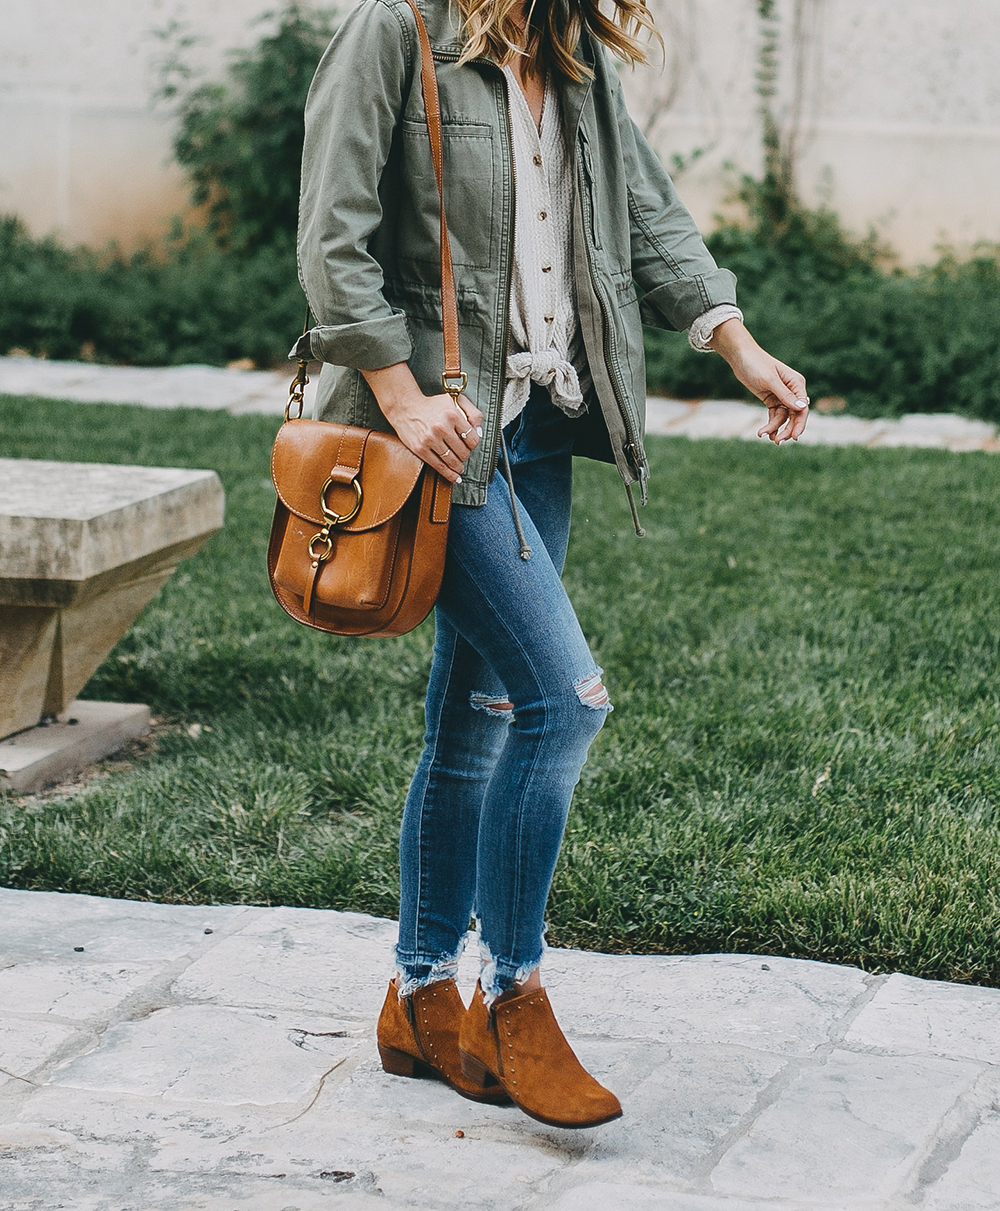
(453, 379)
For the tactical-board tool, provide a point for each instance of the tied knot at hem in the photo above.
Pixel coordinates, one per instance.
(549, 369)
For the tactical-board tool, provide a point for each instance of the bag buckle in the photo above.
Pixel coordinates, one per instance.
(454, 384)
(325, 550)
(295, 391)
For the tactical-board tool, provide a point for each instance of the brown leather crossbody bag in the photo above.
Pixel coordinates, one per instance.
(361, 523)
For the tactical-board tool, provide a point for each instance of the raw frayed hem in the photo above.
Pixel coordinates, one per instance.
(497, 978)
(443, 968)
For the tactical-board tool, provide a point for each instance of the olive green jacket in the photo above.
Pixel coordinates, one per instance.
(368, 232)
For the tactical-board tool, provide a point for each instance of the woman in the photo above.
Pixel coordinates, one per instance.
(566, 236)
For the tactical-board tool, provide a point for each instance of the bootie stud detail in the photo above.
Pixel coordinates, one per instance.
(518, 1042)
(418, 1037)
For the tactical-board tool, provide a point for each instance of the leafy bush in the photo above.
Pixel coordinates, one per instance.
(836, 308)
(213, 294)
(185, 302)
(240, 141)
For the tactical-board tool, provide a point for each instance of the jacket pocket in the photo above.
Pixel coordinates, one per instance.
(467, 151)
(589, 205)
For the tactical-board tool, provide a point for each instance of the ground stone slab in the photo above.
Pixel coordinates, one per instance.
(970, 1182)
(74, 991)
(930, 1019)
(198, 1053)
(602, 1196)
(241, 391)
(25, 1045)
(289, 958)
(772, 1005)
(850, 1129)
(48, 926)
(237, 391)
(223, 1058)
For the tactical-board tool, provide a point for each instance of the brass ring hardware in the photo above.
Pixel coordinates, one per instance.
(295, 399)
(339, 519)
(324, 537)
(332, 519)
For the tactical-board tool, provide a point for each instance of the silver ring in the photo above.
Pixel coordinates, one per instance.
(464, 435)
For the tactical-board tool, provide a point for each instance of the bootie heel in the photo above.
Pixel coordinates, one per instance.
(418, 1037)
(398, 1063)
(476, 1073)
(519, 1045)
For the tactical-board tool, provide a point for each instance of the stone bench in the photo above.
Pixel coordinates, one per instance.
(83, 549)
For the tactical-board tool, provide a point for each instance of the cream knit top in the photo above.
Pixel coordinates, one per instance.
(546, 345)
(545, 342)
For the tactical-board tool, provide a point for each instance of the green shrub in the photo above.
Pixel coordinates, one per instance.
(186, 302)
(240, 141)
(213, 294)
(837, 309)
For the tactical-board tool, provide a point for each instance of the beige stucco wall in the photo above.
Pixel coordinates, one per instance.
(896, 105)
(84, 151)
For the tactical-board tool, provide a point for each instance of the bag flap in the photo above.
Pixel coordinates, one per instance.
(306, 451)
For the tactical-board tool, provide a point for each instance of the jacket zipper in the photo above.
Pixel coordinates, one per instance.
(495, 454)
(632, 448)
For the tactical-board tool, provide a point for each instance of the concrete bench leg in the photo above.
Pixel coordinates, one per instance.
(84, 547)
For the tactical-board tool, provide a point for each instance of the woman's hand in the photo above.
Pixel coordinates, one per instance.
(779, 387)
(437, 430)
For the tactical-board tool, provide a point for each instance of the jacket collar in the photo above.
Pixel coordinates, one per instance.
(443, 22)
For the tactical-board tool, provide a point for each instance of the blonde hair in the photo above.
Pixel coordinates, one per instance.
(553, 30)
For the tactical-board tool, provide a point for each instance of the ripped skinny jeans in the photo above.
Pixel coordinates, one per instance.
(486, 809)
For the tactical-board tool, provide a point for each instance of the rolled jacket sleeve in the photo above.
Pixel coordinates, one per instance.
(677, 276)
(351, 113)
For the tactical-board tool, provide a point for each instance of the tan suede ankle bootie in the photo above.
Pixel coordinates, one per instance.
(519, 1043)
(418, 1037)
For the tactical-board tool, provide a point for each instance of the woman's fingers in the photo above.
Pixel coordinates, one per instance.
(784, 423)
(468, 421)
(780, 388)
(442, 433)
(776, 417)
(787, 404)
(798, 419)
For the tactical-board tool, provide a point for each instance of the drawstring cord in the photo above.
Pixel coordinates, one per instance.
(635, 514)
(508, 476)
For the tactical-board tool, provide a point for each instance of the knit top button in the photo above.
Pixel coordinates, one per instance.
(543, 214)
(546, 269)
(549, 319)
(537, 161)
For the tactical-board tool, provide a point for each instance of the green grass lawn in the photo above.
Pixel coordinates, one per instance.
(803, 656)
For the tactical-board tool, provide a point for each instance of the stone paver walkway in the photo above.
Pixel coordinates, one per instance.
(223, 1059)
(265, 391)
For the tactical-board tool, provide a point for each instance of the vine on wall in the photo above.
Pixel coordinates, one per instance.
(781, 134)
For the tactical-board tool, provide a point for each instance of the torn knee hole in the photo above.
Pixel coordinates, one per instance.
(591, 691)
(493, 704)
